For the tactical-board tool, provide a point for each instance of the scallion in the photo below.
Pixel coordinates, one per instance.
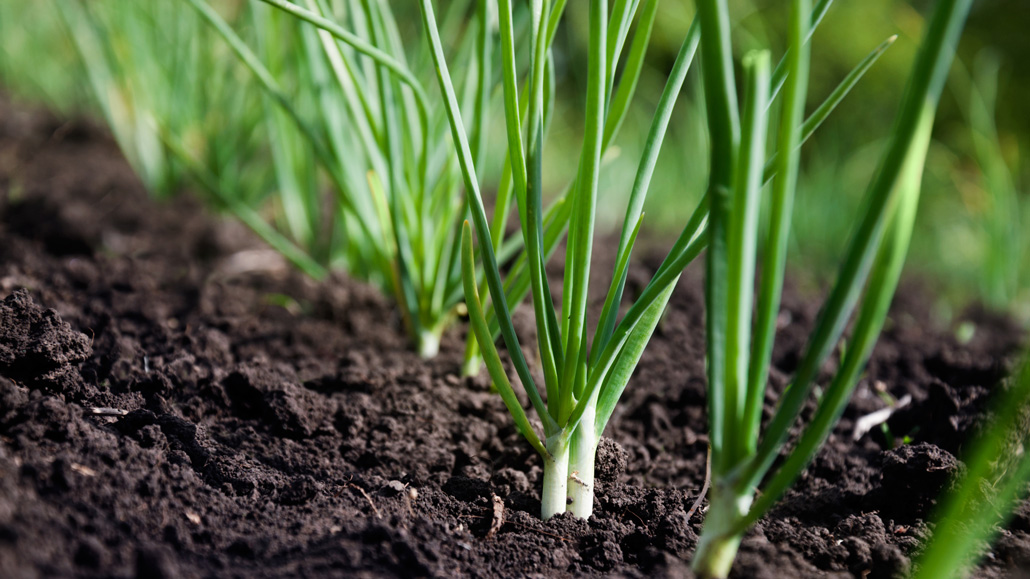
(742, 454)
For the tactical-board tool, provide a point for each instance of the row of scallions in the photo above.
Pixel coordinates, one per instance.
(582, 381)
(306, 121)
(358, 119)
(744, 485)
(341, 163)
(383, 141)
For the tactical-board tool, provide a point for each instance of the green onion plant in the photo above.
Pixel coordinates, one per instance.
(523, 172)
(750, 469)
(583, 377)
(305, 121)
(580, 394)
(557, 217)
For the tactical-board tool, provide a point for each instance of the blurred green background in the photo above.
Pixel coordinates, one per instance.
(971, 241)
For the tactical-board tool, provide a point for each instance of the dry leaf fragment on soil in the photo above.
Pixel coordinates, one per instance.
(498, 520)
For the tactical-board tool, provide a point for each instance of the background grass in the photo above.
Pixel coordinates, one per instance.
(971, 240)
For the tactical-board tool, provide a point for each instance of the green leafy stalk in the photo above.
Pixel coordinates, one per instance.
(822, 112)
(583, 381)
(641, 184)
(490, 356)
(791, 135)
(731, 269)
(519, 282)
(580, 393)
(584, 202)
(741, 246)
(558, 215)
(738, 361)
(478, 213)
(883, 280)
(724, 128)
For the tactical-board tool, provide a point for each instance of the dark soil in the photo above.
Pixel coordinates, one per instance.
(174, 401)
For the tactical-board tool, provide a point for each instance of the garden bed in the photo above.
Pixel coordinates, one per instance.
(175, 401)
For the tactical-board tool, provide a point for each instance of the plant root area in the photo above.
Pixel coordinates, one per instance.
(175, 401)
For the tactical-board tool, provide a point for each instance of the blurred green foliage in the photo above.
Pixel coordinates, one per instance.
(970, 233)
(38, 62)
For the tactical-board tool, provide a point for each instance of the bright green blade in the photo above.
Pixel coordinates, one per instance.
(517, 286)
(619, 20)
(741, 248)
(619, 104)
(781, 207)
(490, 356)
(780, 74)
(478, 211)
(611, 301)
(642, 183)
(584, 202)
(724, 130)
(527, 171)
(687, 247)
(627, 359)
(815, 120)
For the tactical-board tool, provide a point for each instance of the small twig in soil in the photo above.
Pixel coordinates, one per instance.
(704, 489)
(98, 411)
(866, 423)
(367, 498)
(363, 493)
(519, 525)
(638, 517)
(498, 521)
(575, 478)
